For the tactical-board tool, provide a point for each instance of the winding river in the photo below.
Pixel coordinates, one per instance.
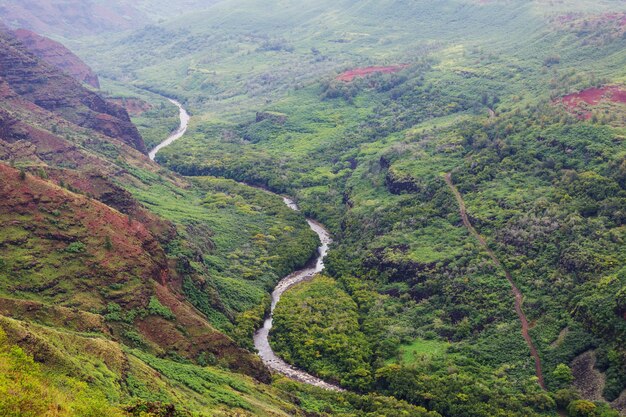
(261, 337)
(177, 134)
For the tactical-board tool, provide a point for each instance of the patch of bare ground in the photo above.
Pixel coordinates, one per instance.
(620, 404)
(587, 380)
(590, 382)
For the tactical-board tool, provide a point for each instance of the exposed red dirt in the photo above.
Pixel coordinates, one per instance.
(576, 102)
(83, 253)
(363, 72)
(51, 217)
(134, 250)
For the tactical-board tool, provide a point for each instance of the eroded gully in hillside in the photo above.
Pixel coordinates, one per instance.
(261, 337)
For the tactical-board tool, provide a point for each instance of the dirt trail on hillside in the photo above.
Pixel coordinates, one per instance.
(519, 298)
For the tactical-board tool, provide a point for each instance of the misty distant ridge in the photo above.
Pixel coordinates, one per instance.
(69, 18)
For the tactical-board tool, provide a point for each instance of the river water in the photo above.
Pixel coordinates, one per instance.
(177, 134)
(261, 337)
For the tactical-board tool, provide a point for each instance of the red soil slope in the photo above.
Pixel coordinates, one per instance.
(117, 260)
(50, 218)
(362, 72)
(57, 55)
(576, 102)
(68, 252)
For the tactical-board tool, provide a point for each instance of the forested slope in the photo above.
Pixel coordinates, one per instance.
(541, 172)
(359, 110)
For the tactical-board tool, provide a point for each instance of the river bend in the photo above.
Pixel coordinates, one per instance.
(175, 135)
(261, 337)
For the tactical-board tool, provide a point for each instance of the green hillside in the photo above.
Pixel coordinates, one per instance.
(474, 184)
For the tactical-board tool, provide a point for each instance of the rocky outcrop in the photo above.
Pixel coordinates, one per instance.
(134, 106)
(58, 56)
(278, 118)
(53, 90)
(401, 183)
(588, 381)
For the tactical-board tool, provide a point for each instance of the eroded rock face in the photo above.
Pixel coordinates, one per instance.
(53, 90)
(134, 106)
(58, 56)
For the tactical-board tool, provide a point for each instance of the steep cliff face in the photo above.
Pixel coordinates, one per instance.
(58, 56)
(53, 90)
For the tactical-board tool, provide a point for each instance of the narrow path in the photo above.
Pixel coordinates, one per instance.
(261, 337)
(519, 298)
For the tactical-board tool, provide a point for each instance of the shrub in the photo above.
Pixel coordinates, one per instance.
(581, 408)
(564, 397)
(76, 247)
(108, 245)
(563, 373)
(156, 308)
(113, 312)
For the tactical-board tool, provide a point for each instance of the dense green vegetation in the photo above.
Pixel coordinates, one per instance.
(74, 375)
(367, 158)
(26, 390)
(412, 314)
(235, 242)
(338, 351)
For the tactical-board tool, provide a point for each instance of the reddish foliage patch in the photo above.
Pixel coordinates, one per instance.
(588, 20)
(592, 97)
(362, 72)
(616, 17)
(83, 220)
